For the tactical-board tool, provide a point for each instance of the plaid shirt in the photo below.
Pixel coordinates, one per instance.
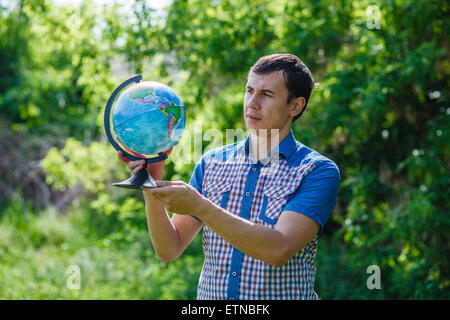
(260, 191)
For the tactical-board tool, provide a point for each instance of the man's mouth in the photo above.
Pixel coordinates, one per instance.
(253, 118)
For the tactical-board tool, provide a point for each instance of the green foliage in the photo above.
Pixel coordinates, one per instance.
(59, 87)
(37, 250)
(380, 111)
(394, 173)
(90, 166)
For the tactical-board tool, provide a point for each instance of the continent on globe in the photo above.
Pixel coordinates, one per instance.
(172, 112)
(148, 118)
(140, 94)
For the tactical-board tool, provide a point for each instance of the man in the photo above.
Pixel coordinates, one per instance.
(262, 202)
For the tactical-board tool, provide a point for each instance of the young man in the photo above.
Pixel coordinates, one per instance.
(261, 202)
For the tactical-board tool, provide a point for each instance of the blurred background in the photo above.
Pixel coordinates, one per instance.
(381, 113)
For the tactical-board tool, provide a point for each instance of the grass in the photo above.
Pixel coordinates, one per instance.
(38, 250)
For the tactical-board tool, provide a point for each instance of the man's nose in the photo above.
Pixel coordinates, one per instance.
(254, 102)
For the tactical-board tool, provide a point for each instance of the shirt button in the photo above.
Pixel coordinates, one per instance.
(254, 169)
(247, 194)
(234, 273)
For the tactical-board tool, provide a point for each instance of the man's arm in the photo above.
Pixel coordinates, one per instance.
(304, 215)
(170, 237)
(274, 246)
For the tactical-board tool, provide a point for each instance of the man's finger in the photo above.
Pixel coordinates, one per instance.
(163, 190)
(122, 158)
(136, 170)
(168, 151)
(134, 164)
(165, 183)
(160, 192)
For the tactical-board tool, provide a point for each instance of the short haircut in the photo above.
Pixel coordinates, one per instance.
(299, 80)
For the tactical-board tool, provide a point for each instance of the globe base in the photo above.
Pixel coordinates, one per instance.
(139, 180)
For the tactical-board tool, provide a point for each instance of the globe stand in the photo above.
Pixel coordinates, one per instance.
(142, 178)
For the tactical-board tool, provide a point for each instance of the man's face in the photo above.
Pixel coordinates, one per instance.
(265, 103)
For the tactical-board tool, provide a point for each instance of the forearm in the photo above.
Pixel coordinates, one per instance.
(255, 240)
(163, 232)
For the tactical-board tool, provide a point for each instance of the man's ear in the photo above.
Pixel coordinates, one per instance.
(297, 106)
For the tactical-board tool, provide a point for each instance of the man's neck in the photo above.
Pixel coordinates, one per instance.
(263, 142)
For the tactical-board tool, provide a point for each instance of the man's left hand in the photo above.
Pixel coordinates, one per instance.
(177, 196)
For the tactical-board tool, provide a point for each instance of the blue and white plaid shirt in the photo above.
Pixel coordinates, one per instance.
(293, 178)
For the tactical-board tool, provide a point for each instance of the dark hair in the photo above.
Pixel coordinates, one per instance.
(299, 80)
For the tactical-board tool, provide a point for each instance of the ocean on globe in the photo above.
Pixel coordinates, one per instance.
(148, 118)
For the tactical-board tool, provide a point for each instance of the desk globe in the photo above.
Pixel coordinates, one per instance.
(147, 119)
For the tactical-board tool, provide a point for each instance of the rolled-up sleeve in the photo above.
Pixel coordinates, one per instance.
(316, 197)
(197, 178)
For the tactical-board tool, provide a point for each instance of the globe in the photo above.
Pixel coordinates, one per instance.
(148, 118)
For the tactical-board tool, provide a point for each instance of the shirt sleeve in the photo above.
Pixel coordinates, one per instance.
(197, 178)
(316, 196)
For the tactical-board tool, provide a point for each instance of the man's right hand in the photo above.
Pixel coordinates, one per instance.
(156, 169)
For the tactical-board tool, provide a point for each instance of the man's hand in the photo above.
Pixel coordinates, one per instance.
(177, 196)
(156, 170)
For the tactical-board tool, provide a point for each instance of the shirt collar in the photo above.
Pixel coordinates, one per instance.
(288, 145)
(286, 148)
